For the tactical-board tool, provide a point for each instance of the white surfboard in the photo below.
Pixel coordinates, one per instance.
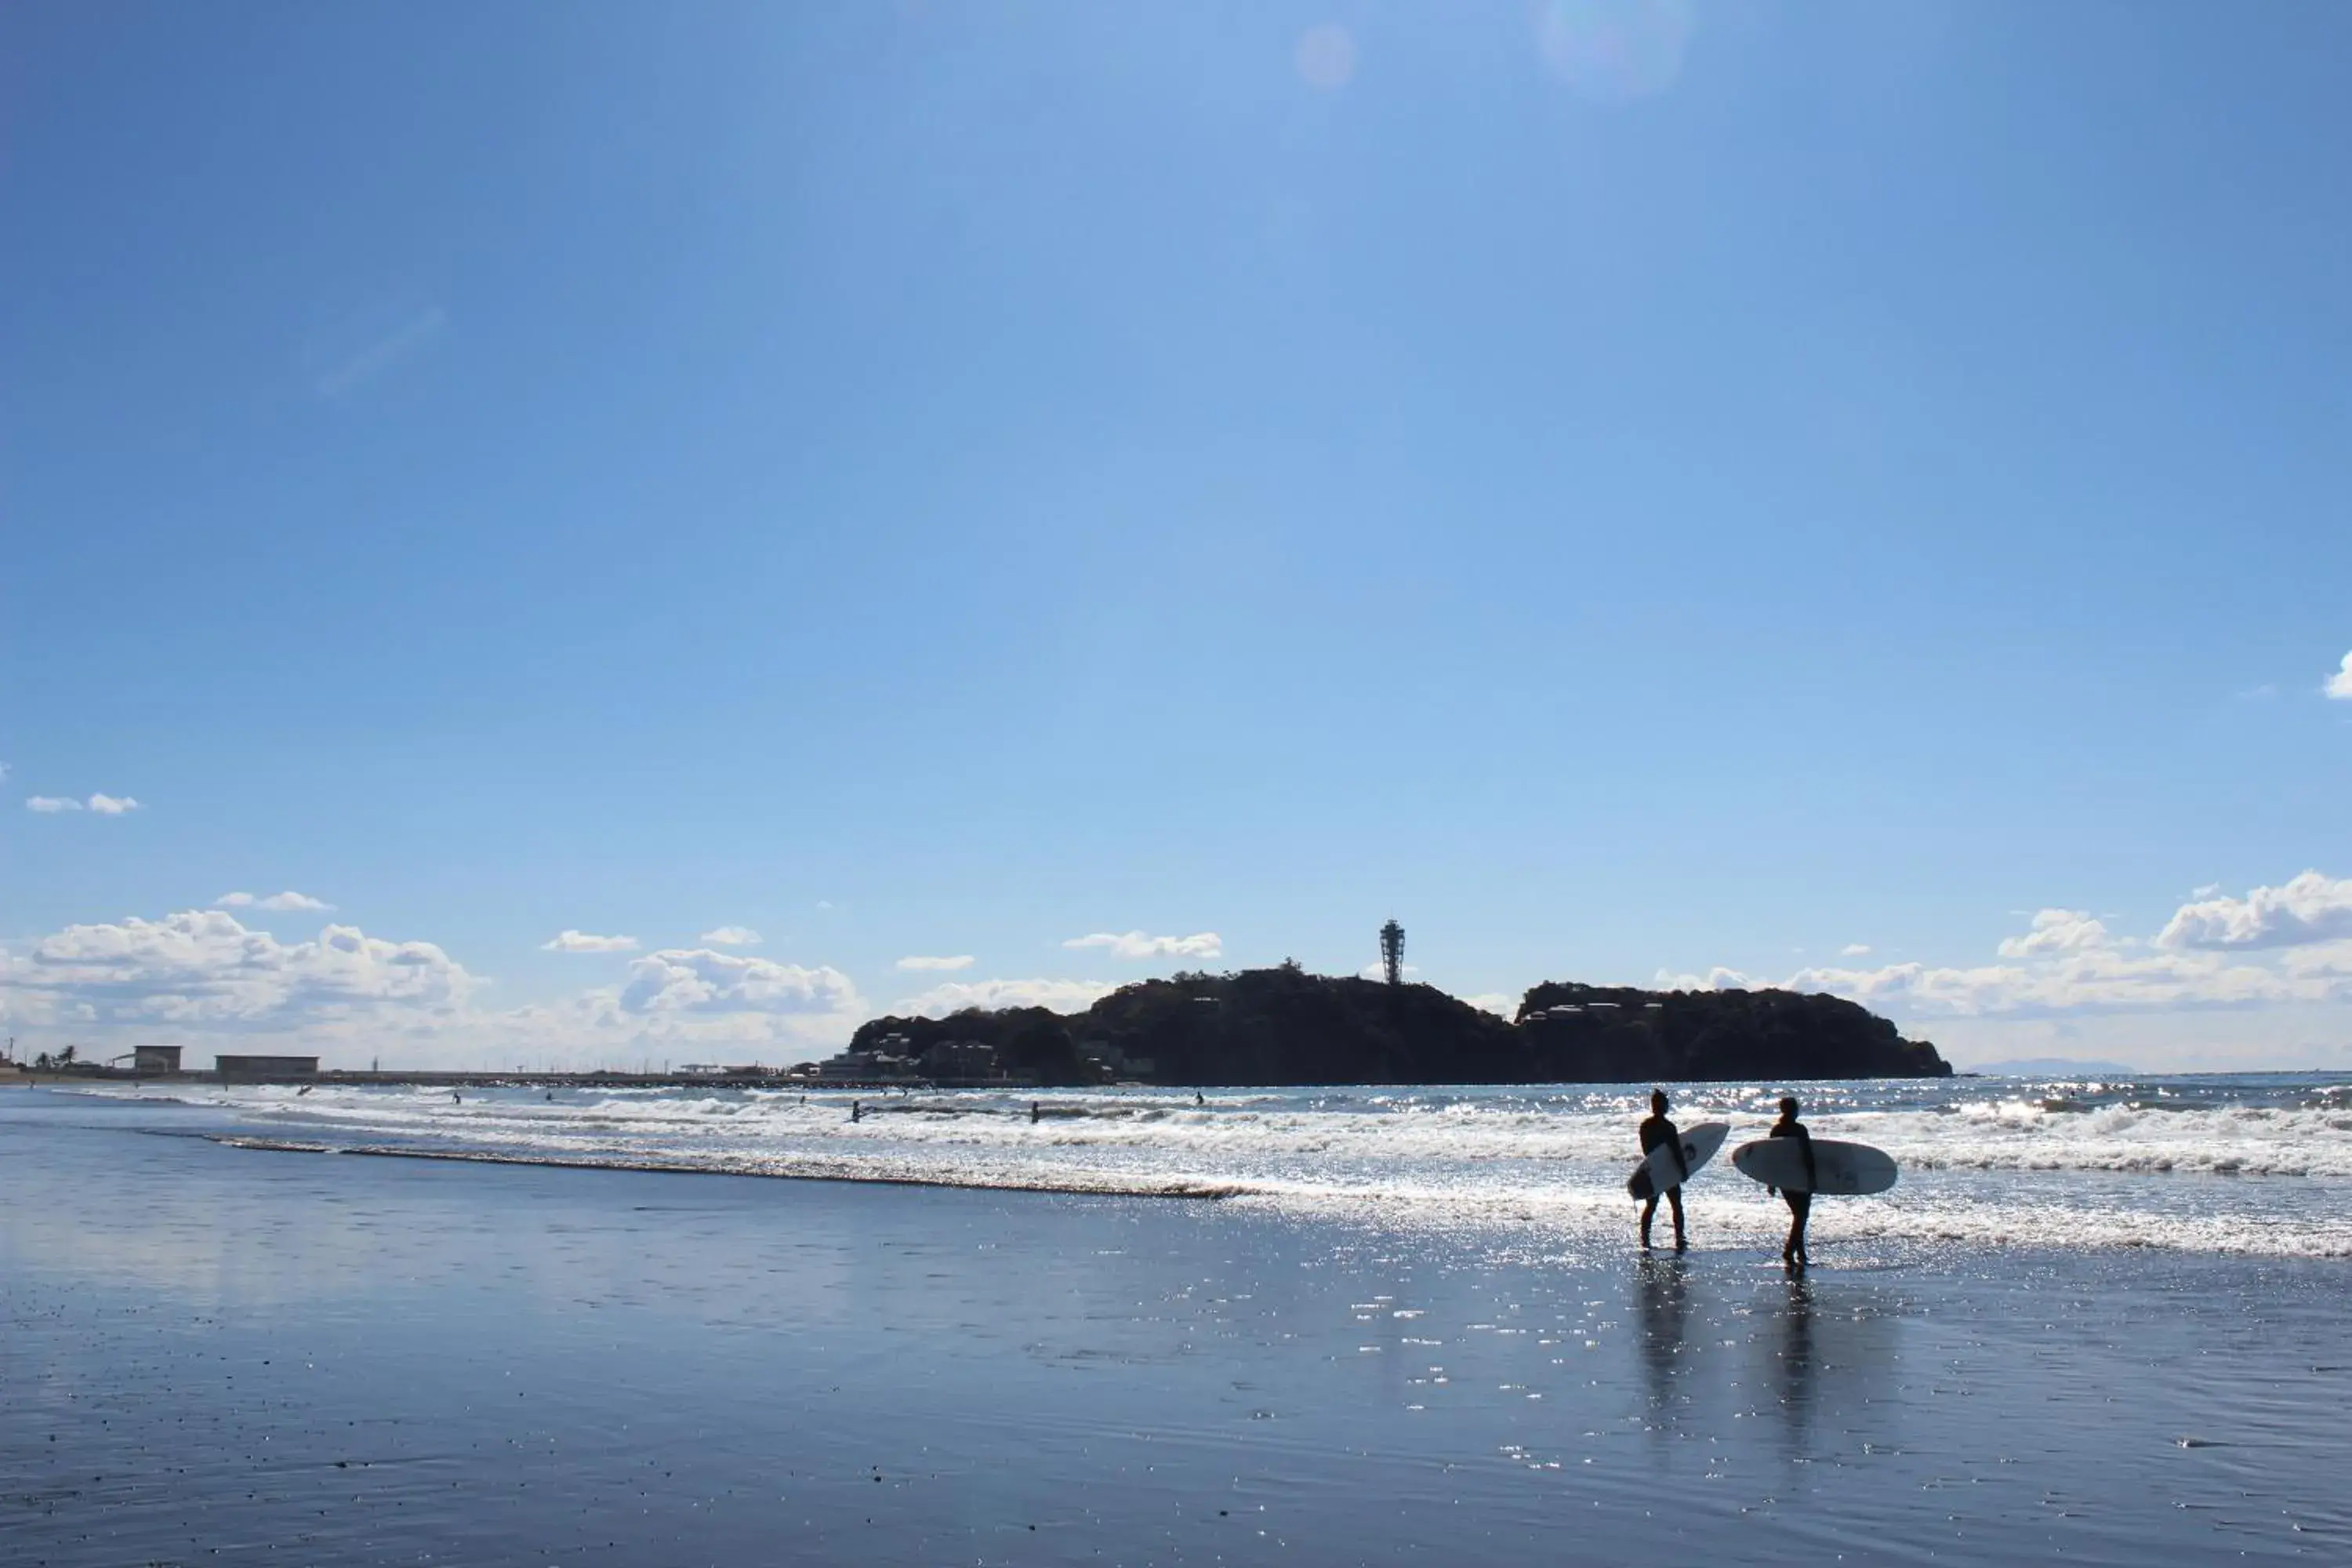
(1843, 1170)
(1657, 1172)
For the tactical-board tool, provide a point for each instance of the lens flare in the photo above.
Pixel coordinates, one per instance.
(1615, 51)
(1325, 56)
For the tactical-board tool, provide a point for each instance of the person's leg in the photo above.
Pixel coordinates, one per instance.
(1803, 1209)
(1674, 1200)
(1796, 1225)
(1649, 1213)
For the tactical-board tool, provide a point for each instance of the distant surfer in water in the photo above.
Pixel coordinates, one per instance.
(1801, 1205)
(1656, 1131)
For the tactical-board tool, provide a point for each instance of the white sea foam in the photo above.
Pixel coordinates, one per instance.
(2084, 1164)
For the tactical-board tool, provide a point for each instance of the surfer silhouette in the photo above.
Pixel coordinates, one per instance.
(1801, 1205)
(1657, 1131)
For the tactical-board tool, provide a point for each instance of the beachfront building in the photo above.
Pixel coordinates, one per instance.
(1111, 1065)
(264, 1070)
(148, 1060)
(865, 1067)
(960, 1059)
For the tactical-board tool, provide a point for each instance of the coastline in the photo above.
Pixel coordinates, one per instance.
(373, 1359)
(797, 1171)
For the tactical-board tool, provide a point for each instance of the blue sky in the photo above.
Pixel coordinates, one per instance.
(1625, 488)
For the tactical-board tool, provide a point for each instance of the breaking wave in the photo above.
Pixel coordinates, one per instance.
(1994, 1162)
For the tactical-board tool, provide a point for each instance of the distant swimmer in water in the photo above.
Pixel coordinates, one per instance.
(856, 1111)
(457, 1097)
(1036, 1112)
(1200, 1099)
(1801, 1205)
(1657, 1132)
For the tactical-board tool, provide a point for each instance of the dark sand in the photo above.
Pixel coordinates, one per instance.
(214, 1354)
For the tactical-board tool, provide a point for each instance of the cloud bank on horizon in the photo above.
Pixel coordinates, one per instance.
(204, 977)
(2282, 947)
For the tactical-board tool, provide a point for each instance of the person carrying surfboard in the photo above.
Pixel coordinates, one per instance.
(1656, 1131)
(1801, 1205)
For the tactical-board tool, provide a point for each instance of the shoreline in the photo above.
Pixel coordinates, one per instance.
(363, 1362)
(812, 1171)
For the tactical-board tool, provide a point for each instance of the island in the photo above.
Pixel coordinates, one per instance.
(1284, 1027)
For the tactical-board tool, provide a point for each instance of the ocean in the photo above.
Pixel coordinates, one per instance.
(2095, 1322)
(2248, 1163)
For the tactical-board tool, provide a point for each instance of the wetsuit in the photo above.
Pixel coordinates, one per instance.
(1656, 1131)
(1801, 1205)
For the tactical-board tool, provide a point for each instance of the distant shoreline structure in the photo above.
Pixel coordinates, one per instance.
(1258, 1028)
(1284, 1027)
(2052, 1067)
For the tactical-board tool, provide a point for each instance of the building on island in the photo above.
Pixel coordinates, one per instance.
(960, 1059)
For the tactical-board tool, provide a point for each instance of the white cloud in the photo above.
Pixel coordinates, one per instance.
(1379, 972)
(683, 1003)
(1496, 1001)
(1716, 979)
(2068, 964)
(282, 902)
(2310, 907)
(916, 961)
(201, 967)
(2056, 931)
(1135, 944)
(104, 804)
(1061, 995)
(2096, 980)
(1854, 950)
(202, 979)
(698, 979)
(732, 936)
(2339, 685)
(2326, 961)
(581, 941)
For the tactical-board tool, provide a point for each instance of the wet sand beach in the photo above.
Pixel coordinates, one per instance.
(210, 1353)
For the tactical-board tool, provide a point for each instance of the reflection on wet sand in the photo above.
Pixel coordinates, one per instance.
(1662, 1298)
(1795, 1364)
